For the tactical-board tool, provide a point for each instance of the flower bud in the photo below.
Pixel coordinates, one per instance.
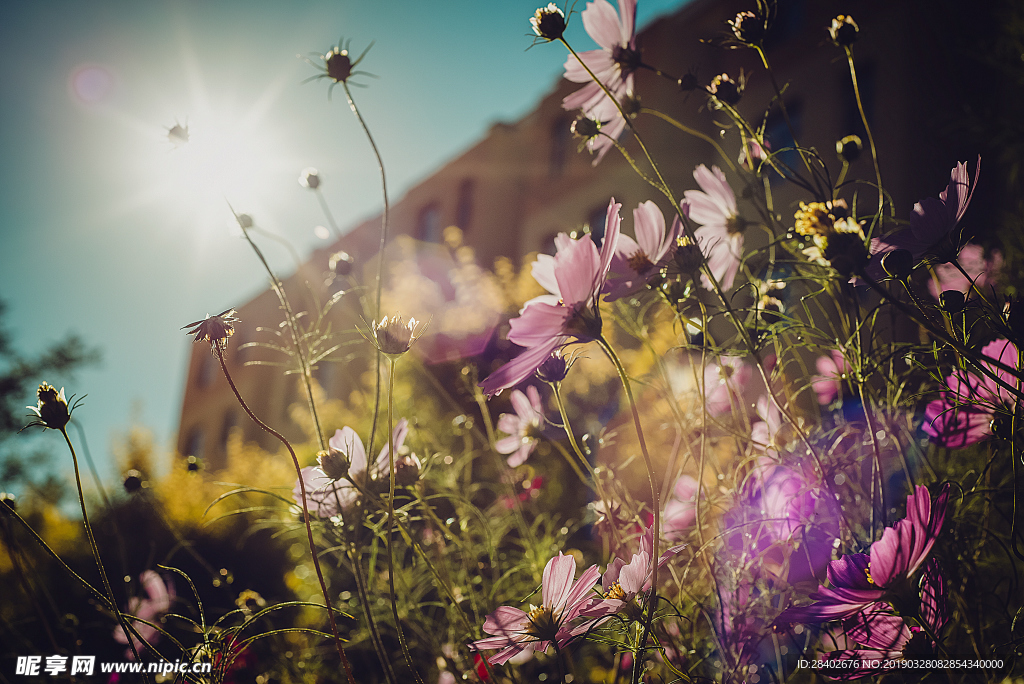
(310, 178)
(51, 407)
(407, 470)
(339, 65)
(341, 263)
(688, 82)
(849, 148)
(585, 127)
(844, 30)
(132, 481)
(951, 301)
(192, 464)
(748, 27)
(334, 463)
(244, 221)
(898, 264)
(554, 369)
(726, 90)
(548, 22)
(8, 501)
(393, 336)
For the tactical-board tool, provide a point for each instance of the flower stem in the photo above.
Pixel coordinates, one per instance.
(383, 244)
(96, 549)
(391, 520)
(652, 603)
(305, 510)
(871, 140)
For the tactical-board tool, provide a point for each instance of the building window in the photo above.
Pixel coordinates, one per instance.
(194, 443)
(204, 369)
(229, 424)
(464, 206)
(428, 226)
(560, 138)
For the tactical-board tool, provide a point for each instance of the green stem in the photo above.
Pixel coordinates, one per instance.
(96, 549)
(695, 133)
(305, 510)
(871, 140)
(383, 244)
(652, 603)
(391, 520)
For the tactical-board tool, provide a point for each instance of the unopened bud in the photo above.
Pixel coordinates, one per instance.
(132, 481)
(898, 264)
(952, 301)
(548, 22)
(849, 148)
(407, 470)
(844, 30)
(334, 463)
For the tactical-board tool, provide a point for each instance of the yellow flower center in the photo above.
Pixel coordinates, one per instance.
(615, 591)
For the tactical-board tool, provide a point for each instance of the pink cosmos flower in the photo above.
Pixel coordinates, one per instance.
(637, 261)
(861, 580)
(523, 426)
(724, 383)
(622, 581)
(764, 431)
(325, 496)
(562, 599)
(877, 633)
(972, 259)
(151, 608)
(680, 510)
(931, 221)
(828, 383)
(575, 277)
(964, 413)
(721, 231)
(613, 65)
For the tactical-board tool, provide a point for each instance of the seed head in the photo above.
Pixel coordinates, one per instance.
(844, 30)
(51, 408)
(394, 336)
(555, 368)
(213, 329)
(548, 22)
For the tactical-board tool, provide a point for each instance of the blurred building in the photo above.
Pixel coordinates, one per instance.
(526, 181)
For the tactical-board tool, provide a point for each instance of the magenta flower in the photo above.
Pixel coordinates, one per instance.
(680, 510)
(724, 383)
(878, 634)
(613, 65)
(550, 623)
(622, 581)
(861, 580)
(972, 259)
(523, 426)
(964, 413)
(931, 221)
(637, 261)
(326, 496)
(828, 383)
(151, 608)
(721, 231)
(575, 277)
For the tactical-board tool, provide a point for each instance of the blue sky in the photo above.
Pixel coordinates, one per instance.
(109, 231)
